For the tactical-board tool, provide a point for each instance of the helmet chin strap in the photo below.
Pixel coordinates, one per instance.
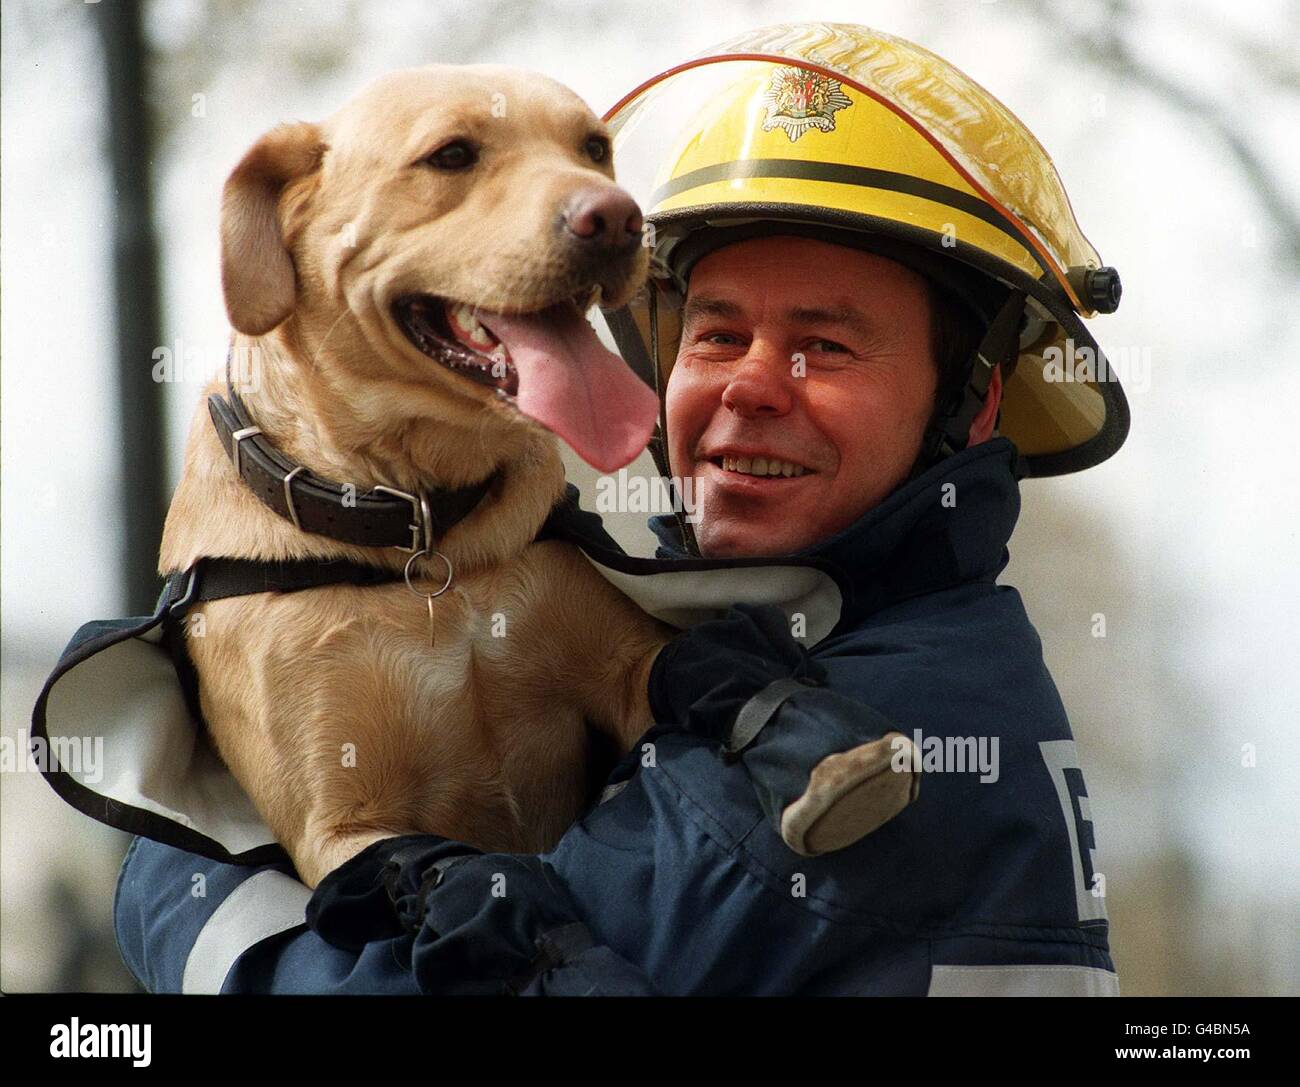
(659, 441)
(949, 432)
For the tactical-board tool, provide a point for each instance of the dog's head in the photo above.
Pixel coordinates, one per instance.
(440, 239)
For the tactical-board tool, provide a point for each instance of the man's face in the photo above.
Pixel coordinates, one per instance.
(804, 352)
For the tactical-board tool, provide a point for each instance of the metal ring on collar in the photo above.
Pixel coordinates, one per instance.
(406, 573)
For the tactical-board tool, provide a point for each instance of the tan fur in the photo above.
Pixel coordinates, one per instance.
(483, 739)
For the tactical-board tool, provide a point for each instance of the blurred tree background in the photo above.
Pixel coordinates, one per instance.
(1172, 125)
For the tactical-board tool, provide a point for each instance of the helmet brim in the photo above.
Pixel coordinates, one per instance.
(1063, 419)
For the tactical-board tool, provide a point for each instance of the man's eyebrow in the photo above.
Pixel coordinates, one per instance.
(842, 315)
(709, 307)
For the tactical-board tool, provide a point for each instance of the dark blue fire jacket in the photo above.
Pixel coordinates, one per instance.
(675, 882)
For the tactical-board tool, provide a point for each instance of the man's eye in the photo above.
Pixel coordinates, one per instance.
(456, 155)
(829, 347)
(720, 339)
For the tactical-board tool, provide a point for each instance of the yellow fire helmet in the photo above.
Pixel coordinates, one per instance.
(837, 131)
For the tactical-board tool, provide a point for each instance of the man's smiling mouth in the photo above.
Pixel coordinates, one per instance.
(759, 467)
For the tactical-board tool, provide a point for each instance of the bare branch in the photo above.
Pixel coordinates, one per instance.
(1098, 35)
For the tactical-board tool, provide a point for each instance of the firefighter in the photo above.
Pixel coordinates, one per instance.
(864, 266)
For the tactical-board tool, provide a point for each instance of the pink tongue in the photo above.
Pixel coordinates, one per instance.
(570, 384)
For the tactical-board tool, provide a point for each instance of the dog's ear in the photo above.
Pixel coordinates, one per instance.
(257, 275)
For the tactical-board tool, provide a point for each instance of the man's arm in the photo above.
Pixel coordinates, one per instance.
(827, 769)
(427, 915)
(187, 924)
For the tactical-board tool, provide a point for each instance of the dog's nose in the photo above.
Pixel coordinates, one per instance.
(606, 216)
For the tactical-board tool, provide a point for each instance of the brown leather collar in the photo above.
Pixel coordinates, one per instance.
(382, 517)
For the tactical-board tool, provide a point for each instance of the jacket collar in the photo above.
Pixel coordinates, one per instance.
(948, 526)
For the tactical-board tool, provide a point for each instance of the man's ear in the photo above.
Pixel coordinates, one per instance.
(981, 427)
(257, 275)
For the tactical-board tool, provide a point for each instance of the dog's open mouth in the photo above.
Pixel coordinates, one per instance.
(549, 364)
(451, 333)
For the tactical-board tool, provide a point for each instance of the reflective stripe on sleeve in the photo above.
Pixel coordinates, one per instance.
(1022, 981)
(263, 905)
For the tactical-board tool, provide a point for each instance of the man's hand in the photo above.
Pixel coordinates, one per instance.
(703, 677)
(822, 764)
(478, 924)
(374, 895)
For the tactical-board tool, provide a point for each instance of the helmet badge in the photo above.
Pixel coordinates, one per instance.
(798, 100)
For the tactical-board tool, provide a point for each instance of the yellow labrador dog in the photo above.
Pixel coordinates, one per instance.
(408, 282)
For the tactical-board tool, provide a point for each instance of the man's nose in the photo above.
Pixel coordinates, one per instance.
(760, 384)
(603, 216)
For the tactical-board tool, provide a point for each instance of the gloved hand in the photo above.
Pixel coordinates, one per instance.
(819, 761)
(376, 894)
(705, 674)
(479, 923)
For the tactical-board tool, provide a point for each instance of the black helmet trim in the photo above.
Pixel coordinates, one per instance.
(673, 229)
(845, 174)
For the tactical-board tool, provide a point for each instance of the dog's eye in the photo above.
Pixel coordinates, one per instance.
(597, 148)
(456, 155)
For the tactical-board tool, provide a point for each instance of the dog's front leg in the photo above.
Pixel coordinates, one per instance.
(624, 642)
(339, 745)
(629, 710)
(320, 856)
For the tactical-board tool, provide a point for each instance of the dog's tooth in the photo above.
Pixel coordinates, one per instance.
(464, 317)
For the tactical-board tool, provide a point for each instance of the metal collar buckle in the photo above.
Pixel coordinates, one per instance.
(422, 525)
(238, 436)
